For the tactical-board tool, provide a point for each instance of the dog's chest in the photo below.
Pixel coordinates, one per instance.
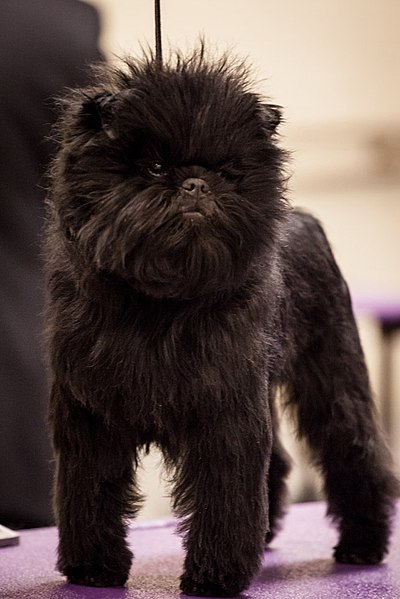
(194, 352)
(166, 364)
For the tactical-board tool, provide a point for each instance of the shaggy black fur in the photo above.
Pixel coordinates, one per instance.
(183, 292)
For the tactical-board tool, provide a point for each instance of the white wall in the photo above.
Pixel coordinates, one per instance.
(330, 60)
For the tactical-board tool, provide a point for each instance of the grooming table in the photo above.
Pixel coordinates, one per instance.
(299, 565)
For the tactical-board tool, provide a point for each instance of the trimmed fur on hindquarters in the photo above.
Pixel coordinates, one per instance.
(329, 390)
(183, 291)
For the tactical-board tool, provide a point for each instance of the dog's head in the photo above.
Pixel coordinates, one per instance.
(170, 178)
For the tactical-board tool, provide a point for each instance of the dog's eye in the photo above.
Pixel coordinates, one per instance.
(230, 171)
(70, 234)
(157, 169)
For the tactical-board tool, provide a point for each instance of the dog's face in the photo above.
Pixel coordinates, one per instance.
(170, 179)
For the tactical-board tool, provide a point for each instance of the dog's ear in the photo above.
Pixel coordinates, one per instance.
(98, 113)
(271, 116)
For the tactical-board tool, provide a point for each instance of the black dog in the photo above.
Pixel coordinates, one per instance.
(183, 293)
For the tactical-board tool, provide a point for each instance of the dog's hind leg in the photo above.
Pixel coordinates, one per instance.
(277, 491)
(329, 389)
(94, 494)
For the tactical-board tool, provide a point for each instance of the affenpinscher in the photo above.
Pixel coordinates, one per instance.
(183, 293)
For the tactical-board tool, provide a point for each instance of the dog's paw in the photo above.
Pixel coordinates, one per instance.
(94, 576)
(209, 588)
(270, 535)
(354, 554)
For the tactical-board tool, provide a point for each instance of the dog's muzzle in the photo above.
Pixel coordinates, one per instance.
(196, 199)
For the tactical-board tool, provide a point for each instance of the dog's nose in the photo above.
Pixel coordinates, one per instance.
(195, 187)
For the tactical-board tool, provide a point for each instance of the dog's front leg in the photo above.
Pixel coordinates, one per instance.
(93, 490)
(222, 491)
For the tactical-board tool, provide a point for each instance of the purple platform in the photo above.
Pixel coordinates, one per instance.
(298, 565)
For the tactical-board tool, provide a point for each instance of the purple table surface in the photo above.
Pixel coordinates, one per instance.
(298, 565)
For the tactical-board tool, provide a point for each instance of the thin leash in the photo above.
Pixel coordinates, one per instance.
(157, 16)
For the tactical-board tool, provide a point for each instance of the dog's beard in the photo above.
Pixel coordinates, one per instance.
(166, 245)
